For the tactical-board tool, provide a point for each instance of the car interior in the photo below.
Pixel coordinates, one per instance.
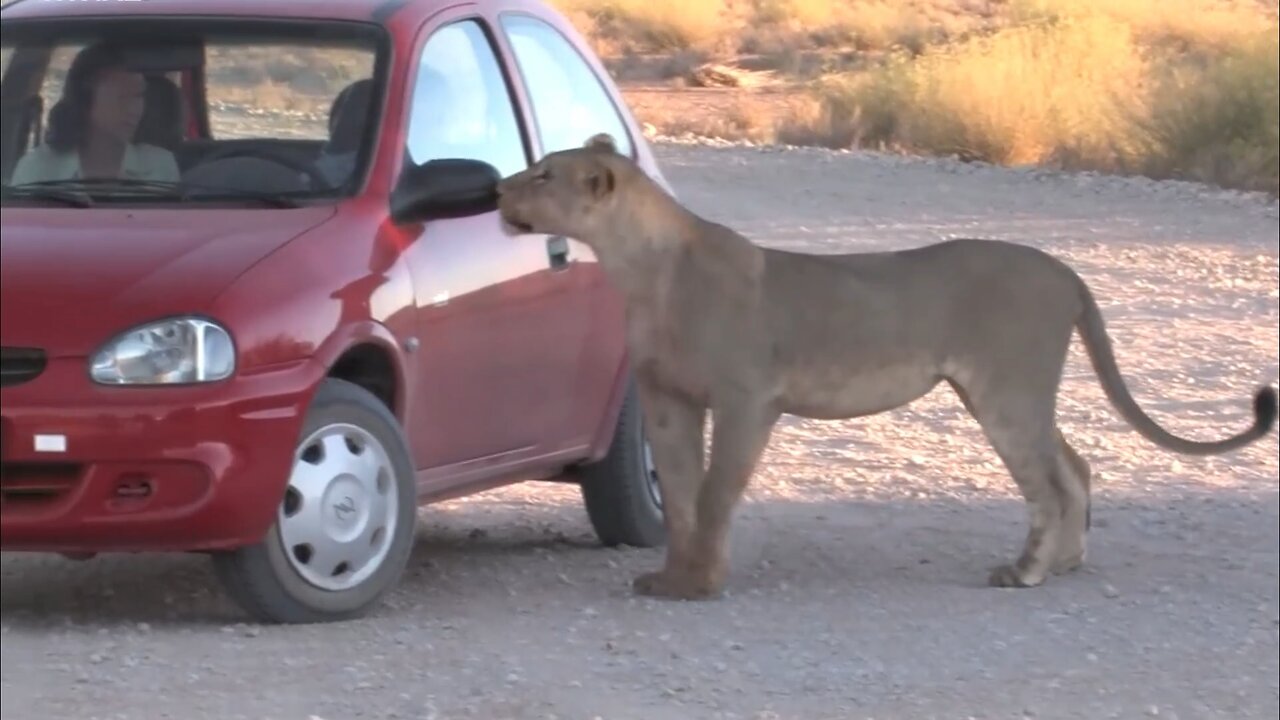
(269, 165)
(266, 165)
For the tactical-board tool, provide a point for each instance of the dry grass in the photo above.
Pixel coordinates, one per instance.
(643, 26)
(1021, 96)
(1112, 90)
(620, 27)
(1192, 24)
(865, 25)
(738, 121)
(1219, 122)
(634, 26)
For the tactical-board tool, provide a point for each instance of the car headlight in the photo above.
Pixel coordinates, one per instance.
(174, 351)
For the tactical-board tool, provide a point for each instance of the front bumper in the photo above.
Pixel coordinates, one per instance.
(85, 468)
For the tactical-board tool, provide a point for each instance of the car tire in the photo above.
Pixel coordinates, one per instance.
(351, 490)
(620, 490)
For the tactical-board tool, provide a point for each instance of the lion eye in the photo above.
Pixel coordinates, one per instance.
(542, 176)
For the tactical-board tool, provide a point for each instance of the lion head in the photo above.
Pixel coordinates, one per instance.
(569, 192)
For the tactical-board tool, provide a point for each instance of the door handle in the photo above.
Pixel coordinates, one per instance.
(558, 252)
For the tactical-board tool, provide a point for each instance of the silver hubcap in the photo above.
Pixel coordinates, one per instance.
(651, 475)
(339, 510)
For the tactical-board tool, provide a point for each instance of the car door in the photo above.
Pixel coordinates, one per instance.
(567, 104)
(491, 376)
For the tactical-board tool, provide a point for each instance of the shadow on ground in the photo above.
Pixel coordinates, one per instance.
(479, 548)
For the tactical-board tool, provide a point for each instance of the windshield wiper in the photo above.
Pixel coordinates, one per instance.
(66, 197)
(117, 187)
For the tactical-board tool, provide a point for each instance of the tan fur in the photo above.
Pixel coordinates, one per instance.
(717, 323)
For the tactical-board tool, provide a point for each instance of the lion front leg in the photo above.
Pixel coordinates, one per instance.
(738, 439)
(674, 428)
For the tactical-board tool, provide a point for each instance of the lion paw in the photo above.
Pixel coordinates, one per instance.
(1008, 576)
(674, 586)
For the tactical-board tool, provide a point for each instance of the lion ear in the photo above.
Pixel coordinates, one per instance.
(603, 142)
(600, 182)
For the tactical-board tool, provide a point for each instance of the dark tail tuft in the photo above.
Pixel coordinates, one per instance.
(1264, 410)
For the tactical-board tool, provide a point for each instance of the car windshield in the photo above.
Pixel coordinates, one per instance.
(183, 112)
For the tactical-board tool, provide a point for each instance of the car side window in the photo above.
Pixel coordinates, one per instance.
(569, 103)
(461, 106)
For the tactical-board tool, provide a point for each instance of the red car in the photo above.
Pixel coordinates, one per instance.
(256, 298)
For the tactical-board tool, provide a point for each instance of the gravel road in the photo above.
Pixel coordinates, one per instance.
(860, 554)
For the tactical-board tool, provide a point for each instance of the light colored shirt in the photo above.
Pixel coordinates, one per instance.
(141, 162)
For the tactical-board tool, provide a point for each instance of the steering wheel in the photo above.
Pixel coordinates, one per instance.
(270, 154)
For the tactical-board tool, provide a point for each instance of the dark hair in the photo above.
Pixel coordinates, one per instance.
(161, 124)
(69, 117)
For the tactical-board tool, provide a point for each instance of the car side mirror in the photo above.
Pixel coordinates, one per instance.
(444, 188)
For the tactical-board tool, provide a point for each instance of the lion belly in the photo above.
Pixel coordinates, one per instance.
(835, 392)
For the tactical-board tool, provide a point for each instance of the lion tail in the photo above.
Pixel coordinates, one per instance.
(1094, 334)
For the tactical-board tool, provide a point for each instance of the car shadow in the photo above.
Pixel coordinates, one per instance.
(167, 589)
(548, 554)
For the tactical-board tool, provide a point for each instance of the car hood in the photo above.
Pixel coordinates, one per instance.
(71, 280)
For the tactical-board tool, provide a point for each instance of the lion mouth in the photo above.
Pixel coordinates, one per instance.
(516, 224)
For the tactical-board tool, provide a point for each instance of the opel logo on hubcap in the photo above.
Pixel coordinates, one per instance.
(343, 509)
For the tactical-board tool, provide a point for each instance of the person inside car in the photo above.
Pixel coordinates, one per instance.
(163, 122)
(347, 118)
(92, 126)
(349, 114)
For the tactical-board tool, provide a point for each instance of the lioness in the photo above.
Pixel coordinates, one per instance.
(715, 322)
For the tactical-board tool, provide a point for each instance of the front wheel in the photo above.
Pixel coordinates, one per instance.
(621, 491)
(345, 527)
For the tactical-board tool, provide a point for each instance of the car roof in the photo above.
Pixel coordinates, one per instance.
(359, 10)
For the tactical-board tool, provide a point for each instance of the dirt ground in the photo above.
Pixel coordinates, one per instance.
(751, 114)
(860, 554)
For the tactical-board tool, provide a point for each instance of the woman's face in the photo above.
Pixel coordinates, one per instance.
(119, 97)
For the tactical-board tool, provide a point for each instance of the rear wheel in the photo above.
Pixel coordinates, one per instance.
(345, 526)
(621, 491)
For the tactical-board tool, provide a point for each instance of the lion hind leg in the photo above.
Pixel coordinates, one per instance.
(1018, 422)
(1075, 494)
(1036, 474)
